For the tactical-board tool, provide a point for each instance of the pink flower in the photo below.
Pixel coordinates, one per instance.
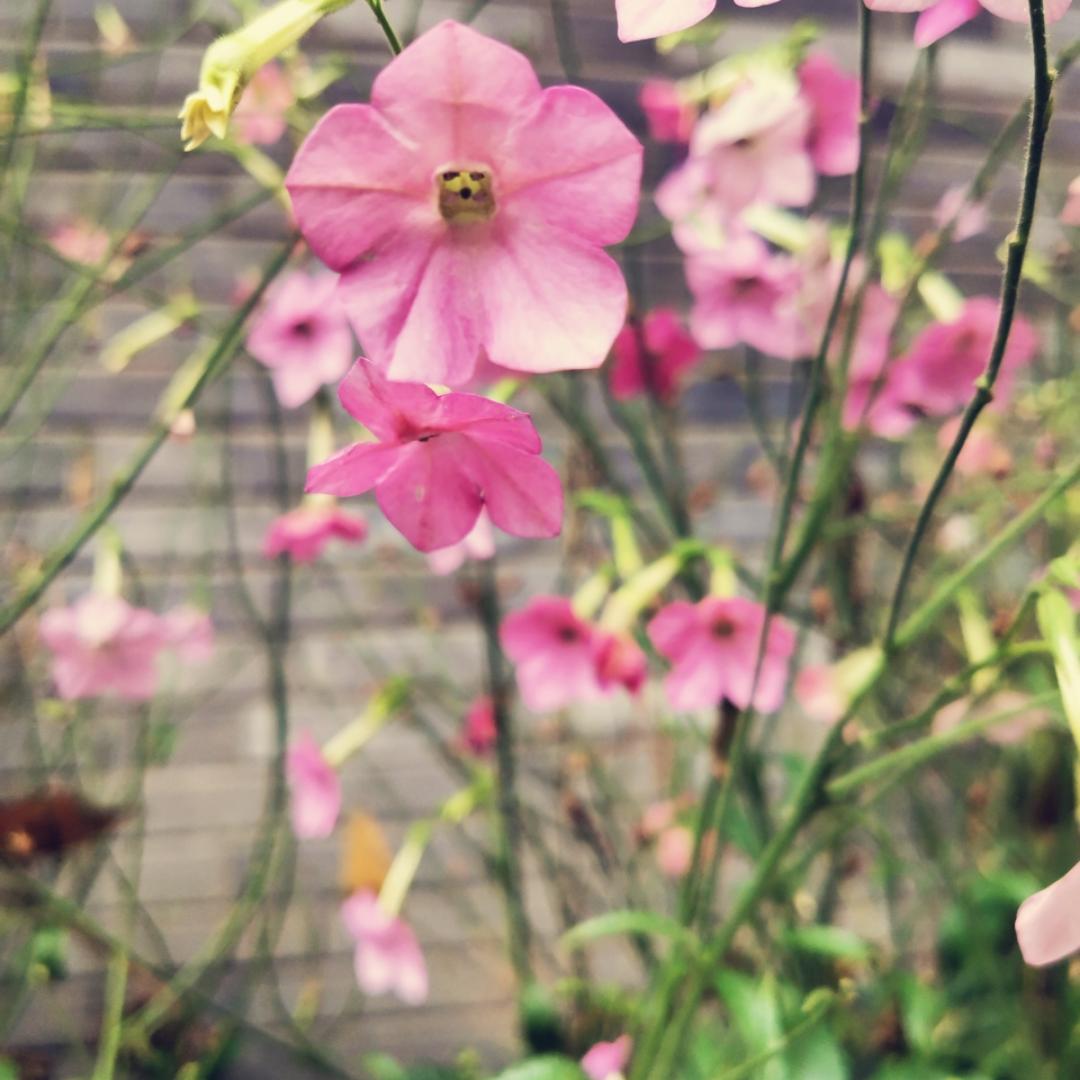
(439, 460)
(657, 817)
(983, 453)
(650, 357)
(464, 220)
(968, 219)
(939, 371)
(260, 116)
(669, 117)
(388, 959)
(190, 632)
(607, 1060)
(818, 691)
(620, 662)
(101, 644)
(675, 851)
(713, 646)
(479, 544)
(941, 17)
(314, 789)
(81, 241)
(641, 19)
(303, 532)
(744, 294)
(478, 733)
(833, 96)
(751, 149)
(555, 653)
(302, 336)
(1070, 212)
(1048, 923)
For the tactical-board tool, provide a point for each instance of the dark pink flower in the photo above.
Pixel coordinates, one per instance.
(478, 544)
(713, 647)
(304, 532)
(388, 959)
(464, 220)
(314, 789)
(555, 653)
(670, 118)
(103, 645)
(743, 294)
(260, 116)
(439, 460)
(833, 96)
(941, 17)
(938, 373)
(478, 732)
(301, 334)
(1048, 923)
(607, 1060)
(649, 357)
(620, 662)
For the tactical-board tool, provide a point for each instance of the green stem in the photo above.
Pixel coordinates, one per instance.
(388, 31)
(1010, 291)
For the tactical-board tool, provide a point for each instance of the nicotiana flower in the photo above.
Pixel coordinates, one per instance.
(314, 789)
(607, 1060)
(713, 647)
(833, 97)
(81, 241)
(439, 460)
(103, 645)
(650, 356)
(1070, 212)
(260, 116)
(301, 334)
(464, 221)
(750, 149)
(675, 851)
(478, 732)
(1048, 923)
(941, 17)
(304, 532)
(669, 116)
(388, 959)
(968, 219)
(478, 543)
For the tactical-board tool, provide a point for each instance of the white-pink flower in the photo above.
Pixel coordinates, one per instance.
(463, 219)
(1048, 923)
(1070, 212)
(388, 959)
(260, 116)
(607, 1060)
(314, 789)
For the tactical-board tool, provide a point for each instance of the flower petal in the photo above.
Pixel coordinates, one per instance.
(387, 409)
(522, 492)
(1048, 923)
(352, 471)
(641, 19)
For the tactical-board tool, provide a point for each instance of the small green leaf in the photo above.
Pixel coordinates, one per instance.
(549, 1067)
(832, 942)
(627, 922)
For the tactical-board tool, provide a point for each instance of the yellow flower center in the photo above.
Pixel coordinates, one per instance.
(465, 193)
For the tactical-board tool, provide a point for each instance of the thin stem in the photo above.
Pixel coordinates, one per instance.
(388, 31)
(1010, 292)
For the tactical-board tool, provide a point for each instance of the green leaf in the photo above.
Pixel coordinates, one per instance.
(832, 942)
(627, 922)
(754, 1005)
(549, 1067)
(8, 1069)
(384, 1067)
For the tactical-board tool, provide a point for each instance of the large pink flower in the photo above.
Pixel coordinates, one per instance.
(388, 959)
(650, 356)
(314, 789)
(101, 644)
(938, 373)
(751, 149)
(1048, 923)
(607, 1060)
(464, 219)
(833, 96)
(941, 17)
(713, 646)
(302, 336)
(303, 532)
(742, 293)
(439, 460)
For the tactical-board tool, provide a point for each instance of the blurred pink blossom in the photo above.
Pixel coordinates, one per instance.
(314, 789)
(657, 817)
(650, 356)
(675, 851)
(462, 218)
(301, 334)
(102, 645)
(81, 241)
(713, 647)
(1070, 212)
(1048, 923)
(478, 544)
(607, 1060)
(968, 218)
(641, 19)
(439, 460)
(983, 454)
(478, 732)
(555, 653)
(669, 116)
(304, 531)
(941, 17)
(388, 959)
(260, 116)
(833, 96)
(620, 662)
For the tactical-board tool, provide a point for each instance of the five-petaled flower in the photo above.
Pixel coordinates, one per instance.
(465, 223)
(713, 646)
(439, 460)
(388, 959)
(302, 336)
